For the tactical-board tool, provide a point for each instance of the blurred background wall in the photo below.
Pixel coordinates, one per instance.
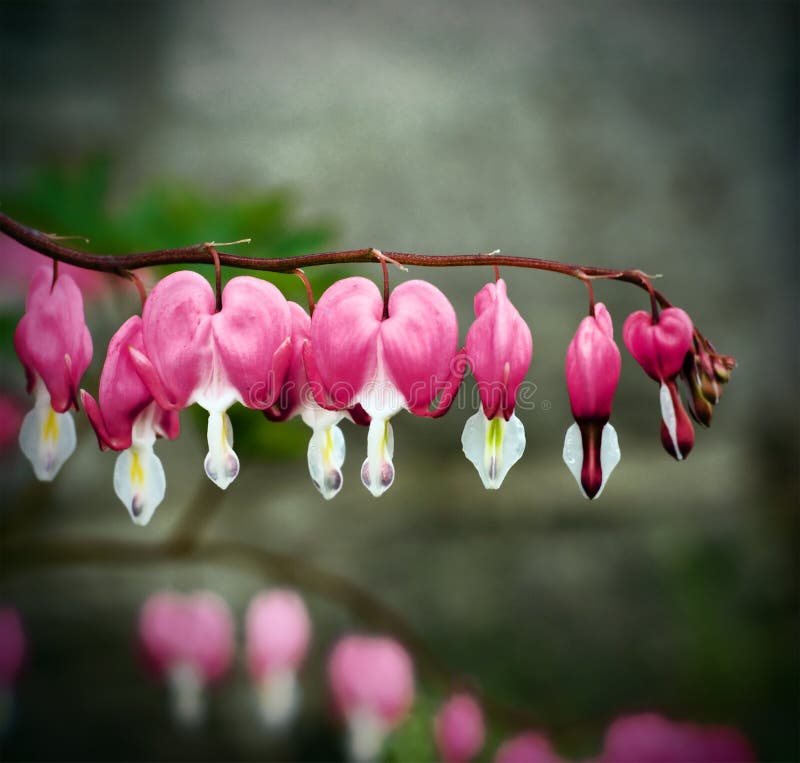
(636, 134)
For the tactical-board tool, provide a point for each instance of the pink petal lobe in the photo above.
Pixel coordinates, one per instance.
(253, 324)
(499, 348)
(294, 390)
(123, 394)
(659, 348)
(176, 326)
(593, 367)
(419, 339)
(344, 333)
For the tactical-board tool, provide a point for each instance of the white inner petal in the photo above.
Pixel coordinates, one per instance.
(670, 418)
(222, 463)
(366, 732)
(379, 397)
(377, 471)
(573, 454)
(139, 481)
(186, 694)
(278, 697)
(46, 438)
(493, 446)
(326, 451)
(609, 454)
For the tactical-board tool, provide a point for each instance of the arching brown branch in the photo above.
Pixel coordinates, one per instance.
(201, 254)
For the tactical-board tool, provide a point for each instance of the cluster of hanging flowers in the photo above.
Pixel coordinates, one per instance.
(189, 641)
(359, 355)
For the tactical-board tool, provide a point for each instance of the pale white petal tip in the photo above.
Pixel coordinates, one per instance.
(669, 417)
(609, 454)
(377, 471)
(187, 695)
(493, 446)
(140, 482)
(326, 451)
(47, 438)
(221, 463)
(573, 454)
(366, 734)
(278, 698)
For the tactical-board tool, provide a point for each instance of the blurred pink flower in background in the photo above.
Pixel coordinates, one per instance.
(651, 738)
(12, 657)
(278, 634)
(372, 683)
(18, 264)
(189, 640)
(529, 747)
(459, 729)
(12, 412)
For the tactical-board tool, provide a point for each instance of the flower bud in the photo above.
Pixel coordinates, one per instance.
(591, 448)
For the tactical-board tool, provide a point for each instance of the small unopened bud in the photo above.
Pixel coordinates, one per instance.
(723, 365)
(701, 407)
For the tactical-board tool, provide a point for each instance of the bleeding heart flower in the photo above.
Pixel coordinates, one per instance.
(591, 447)
(459, 729)
(193, 354)
(651, 738)
(55, 346)
(383, 362)
(326, 449)
(129, 420)
(189, 641)
(527, 748)
(659, 346)
(499, 350)
(372, 682)
(278, 634)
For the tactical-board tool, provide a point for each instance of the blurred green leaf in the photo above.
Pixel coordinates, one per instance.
(413, 740)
